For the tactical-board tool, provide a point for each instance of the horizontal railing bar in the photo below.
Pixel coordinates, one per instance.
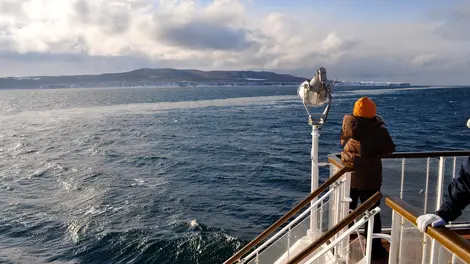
(335, 158)
(449, 239)
(338, 227)
(287, 216)
(425, 154)
(432, 154)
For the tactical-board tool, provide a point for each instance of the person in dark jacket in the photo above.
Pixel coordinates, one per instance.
(365, 140)
(457, 198)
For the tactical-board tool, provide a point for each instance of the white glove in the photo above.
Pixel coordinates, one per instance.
(424, 221)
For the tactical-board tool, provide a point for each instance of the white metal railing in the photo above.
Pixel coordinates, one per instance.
(285, 234)
(427, 192)
(342, 252)
(339, 207)
(296, 235)
(330, 209)
(409, 245)
(442, 174)
(328, 247)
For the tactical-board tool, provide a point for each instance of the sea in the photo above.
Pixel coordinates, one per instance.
(185, 175)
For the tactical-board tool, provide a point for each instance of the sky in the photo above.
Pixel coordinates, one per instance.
(417, 41)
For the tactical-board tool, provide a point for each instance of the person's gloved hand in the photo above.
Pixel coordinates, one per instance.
(424, 221)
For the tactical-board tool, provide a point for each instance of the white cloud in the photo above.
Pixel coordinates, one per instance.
(42, 35)
(454, 22)
(425, 60)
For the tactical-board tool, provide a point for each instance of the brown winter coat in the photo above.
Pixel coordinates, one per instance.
(365, 141)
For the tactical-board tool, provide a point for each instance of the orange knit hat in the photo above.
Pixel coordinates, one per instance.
(364, 107)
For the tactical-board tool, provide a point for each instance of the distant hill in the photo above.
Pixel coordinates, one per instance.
(153, 77)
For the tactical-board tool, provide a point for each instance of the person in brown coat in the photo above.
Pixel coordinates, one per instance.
(365, 141)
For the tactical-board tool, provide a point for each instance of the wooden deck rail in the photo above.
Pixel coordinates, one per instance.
(447, 238)
(287, 216)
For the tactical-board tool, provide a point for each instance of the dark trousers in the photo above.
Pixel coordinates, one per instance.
(363, 195)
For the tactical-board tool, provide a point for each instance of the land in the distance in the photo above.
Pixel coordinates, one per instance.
(168, 78)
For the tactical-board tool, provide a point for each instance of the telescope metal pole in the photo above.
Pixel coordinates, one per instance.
(314, 175)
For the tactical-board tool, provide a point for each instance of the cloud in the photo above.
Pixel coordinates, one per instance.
(332, 43)
(11, 7)
(425, 60)
(113, 19)
(93, 36)
(199, 35)
(454, 22)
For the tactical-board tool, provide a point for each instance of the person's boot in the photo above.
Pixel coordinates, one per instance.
(378, 250)
(379, 253)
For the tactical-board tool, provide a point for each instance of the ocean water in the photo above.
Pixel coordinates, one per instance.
(182, 175)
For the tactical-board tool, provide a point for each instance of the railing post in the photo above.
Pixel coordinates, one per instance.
(434, 252)
(400, 241)
(288, 243)
(393, 253)
(345, 201)
(337, 213)
(321, 216)
(455, 167)
(331, 204)
(403, 161)
(453, 176)
(426, 240)
(370, 233)
(425, 256)
(427, 185)
(440, 182)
